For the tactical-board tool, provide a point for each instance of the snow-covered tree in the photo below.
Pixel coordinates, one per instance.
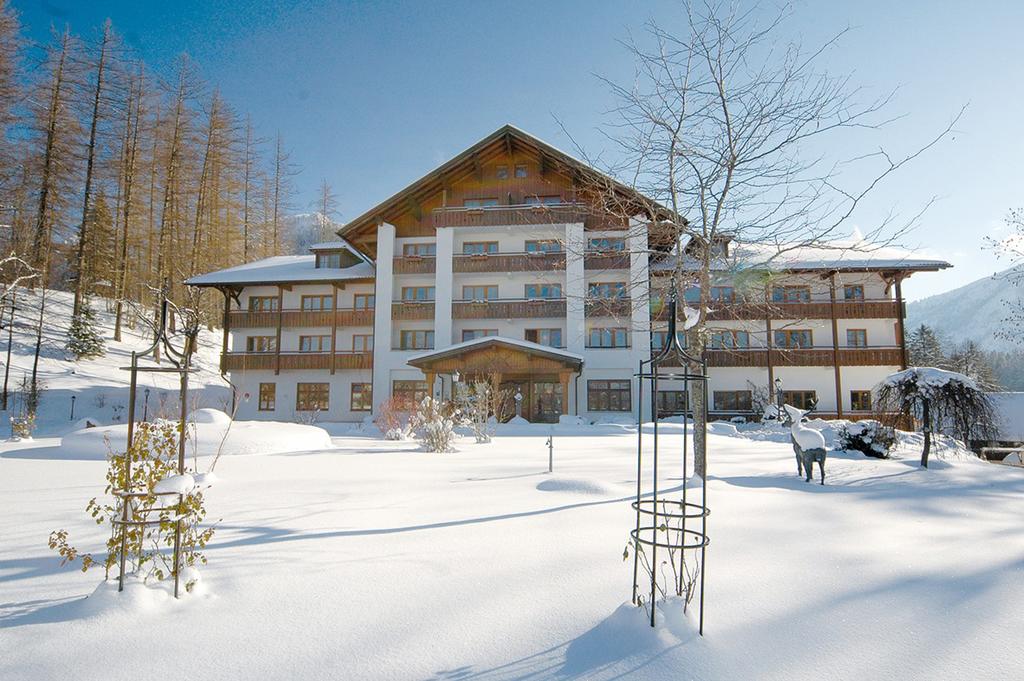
(941, 401)
(924, 348)
(84, 341)
(969, 359)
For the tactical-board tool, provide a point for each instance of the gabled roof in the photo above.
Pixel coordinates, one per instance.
(569, 358)
(506, 138)
(282, 269)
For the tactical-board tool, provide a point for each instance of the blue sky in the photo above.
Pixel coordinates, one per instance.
(372, 95)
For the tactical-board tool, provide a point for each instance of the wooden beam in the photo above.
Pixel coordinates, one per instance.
(334, 327)
(277, 342)
(835, 345)
(902, 337)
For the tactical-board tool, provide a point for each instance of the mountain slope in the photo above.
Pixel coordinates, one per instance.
(972, 312)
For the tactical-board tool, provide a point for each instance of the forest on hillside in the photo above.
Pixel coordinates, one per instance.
(119, 177)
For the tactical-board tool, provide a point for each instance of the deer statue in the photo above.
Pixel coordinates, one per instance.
(808, 443)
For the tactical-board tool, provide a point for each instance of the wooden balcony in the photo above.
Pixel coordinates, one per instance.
(509, 309)
(492, 216)
(412, 309)
(619, 308)
(509, 262)
(289, 361)
(243, 319)
(741, 310)
(805, 357)
(414, 264)
(606, 261)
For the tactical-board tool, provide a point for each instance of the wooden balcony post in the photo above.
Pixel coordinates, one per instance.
(227, 330)
(563, 378)
(835, 345)
(901, 321)
(334, 326)
(277, 342)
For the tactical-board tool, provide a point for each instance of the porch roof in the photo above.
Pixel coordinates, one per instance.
(428, 360)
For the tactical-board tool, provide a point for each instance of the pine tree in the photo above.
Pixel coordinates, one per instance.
(84, 341)
(925, 348)
(971, 361)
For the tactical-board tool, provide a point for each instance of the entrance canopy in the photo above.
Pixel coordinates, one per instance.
(497, 355)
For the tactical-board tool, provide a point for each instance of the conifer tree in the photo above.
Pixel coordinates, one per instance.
(84, 341)
(924, 348)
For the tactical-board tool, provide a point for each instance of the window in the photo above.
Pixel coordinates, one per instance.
(791, 294)
(856, 338)
(607, 244)
(480, 292)
(724, 294)
(364, 301)
(860, 400)
(853, 292)
(479, 247)
(671, 402)
(328, 260)
(420, 250)
(794, 338)
(729, 339)
(263, 304)
(314, 343)
(409, 391)
(501, 172)
(361, 397)
(543, 290)
(543, 200)
(362, 342)
(612, 289)
(520, 170)
(317, 303)
(416, 340)
(801, 399)
(479, 203)
(473, 334)
(550, 337)
(417, 293)
(609, 396)
(268, 396)
(659, 339)
(312, 396)
(543, 246)
(608, 338)
(732, 400)
(261, 344)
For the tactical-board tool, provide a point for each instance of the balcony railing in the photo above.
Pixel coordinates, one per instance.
(805, 357)
(244, 319)
(509, 262)
(599, 260)
(271, 361)
(414, 264)
(520, 214)
(743, 310)
(516, 308)
(405, 310)
(609, 307)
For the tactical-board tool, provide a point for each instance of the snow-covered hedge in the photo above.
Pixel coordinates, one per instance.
(869, 437)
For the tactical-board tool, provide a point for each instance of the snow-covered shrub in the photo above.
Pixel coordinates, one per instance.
(434, 424)
(868, 437)
(23, 426)
(394, 418)
(84, 341)
(153, 457)
(474, 403)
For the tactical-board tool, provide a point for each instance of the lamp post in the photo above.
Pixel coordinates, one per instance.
(519, 403)
(145, 404)
(72, 417)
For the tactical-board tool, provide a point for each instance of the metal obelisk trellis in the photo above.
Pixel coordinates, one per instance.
(661, 521)
(180, 363)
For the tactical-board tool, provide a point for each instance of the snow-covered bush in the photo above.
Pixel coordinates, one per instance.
(868, 437)
(474, 403)
(434, 424)
(84, 341)
(153, 457)
(22, 427)
(394, 418)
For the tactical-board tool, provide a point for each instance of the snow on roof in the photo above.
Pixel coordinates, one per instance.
(851, 253)
(281, 269)
(528, 346)
(1009, 408)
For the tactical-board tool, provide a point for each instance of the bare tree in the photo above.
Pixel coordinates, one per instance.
(1010, 249)
(326, 208)
(723, 127)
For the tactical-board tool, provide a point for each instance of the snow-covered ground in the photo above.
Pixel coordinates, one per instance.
(372, 560)
(99, 386)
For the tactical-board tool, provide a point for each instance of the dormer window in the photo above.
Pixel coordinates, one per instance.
(521, 171)
(329, 260)
(502, 172)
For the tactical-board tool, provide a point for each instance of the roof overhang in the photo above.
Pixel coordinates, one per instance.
(431, 360)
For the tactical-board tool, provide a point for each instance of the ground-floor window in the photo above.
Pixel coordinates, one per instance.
(672, 402)
(409, 391)
(860, 400)
(362, 397)
(732, 400)
(609, 396)
(268, 396)
(801, 399)
(312, 396)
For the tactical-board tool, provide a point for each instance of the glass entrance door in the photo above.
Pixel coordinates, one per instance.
(546, 402)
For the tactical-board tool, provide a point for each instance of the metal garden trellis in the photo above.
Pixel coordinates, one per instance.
(180, 363)
(667, 517)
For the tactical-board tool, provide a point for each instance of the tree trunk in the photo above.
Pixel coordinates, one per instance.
(926, 425)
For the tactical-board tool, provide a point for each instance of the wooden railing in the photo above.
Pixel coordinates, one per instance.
(490, 216)
(609, 307)
(270, 361)
(414, 264)
(606, 261)
(509, 262)
(412, 309)
(509, 309)
(244, 319)
(805, 357)
(740, 310)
